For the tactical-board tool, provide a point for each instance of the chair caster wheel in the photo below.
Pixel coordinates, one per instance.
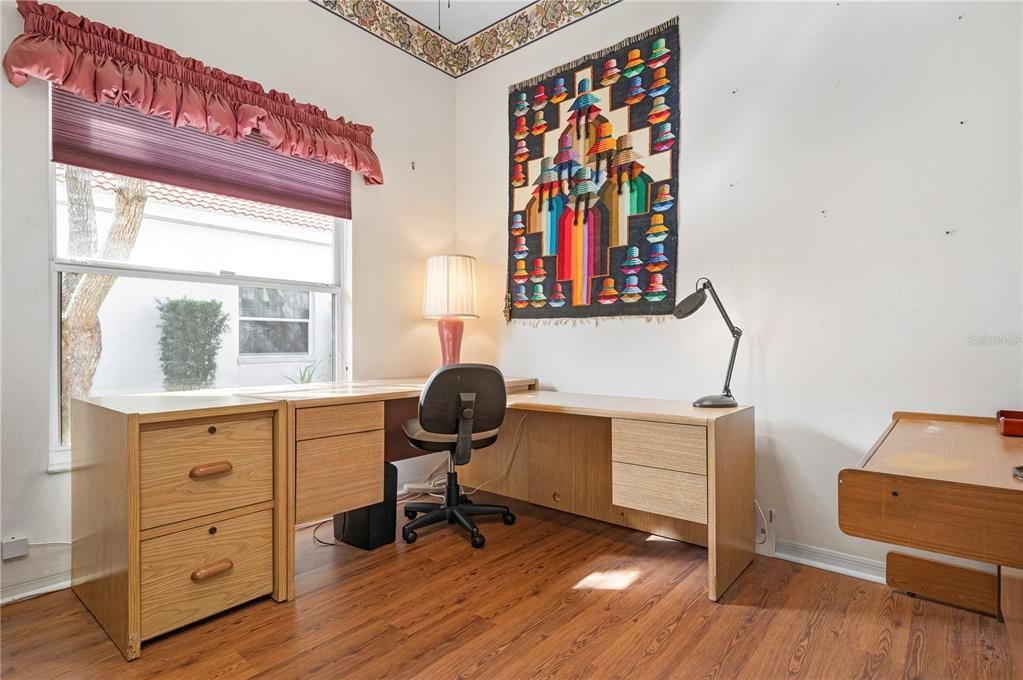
(409, 535)
(478, 541)
(410, 514)
(508, 518)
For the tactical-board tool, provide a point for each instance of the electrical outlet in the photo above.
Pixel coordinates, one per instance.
(769, 543)
(14, 547)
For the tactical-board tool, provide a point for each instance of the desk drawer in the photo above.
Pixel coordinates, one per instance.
(194, 470)
(198, 572)
(336, 474)
(660, 445)
(662, 492)
(328, 421)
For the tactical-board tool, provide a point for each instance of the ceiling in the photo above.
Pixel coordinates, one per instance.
(463, 18)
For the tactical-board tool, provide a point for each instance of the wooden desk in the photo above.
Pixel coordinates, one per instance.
(662, 467)
(943, 483)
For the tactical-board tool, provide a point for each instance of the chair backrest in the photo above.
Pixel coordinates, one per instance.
(439, 403)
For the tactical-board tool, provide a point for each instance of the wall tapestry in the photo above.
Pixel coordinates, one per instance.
(593, 186)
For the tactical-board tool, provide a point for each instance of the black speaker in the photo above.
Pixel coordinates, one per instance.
(372, 526)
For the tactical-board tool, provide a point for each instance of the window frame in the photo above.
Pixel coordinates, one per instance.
(339, 290)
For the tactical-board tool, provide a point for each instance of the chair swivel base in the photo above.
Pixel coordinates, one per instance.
(456, 509)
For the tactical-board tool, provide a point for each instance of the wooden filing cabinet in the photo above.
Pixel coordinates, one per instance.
(178, 513)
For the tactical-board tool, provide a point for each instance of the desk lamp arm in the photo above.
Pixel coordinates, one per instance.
(735, 331)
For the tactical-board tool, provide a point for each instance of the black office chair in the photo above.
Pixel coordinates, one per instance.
(460, 409)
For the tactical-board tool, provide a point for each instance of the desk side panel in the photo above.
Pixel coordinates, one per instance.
(104, 520)
(1012, 611)
(975, 522)
(731, 486)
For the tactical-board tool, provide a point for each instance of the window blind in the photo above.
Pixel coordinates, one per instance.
(123, 141)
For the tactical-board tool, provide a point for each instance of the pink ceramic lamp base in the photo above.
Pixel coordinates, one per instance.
(450, 331)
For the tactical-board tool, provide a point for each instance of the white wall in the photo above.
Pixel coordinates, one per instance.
(291, 46)
(855, 229)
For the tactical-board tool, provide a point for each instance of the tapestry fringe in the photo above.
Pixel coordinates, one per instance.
(595, 320)
(622, 44)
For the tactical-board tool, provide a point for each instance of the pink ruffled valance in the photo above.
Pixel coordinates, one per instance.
(107, 65)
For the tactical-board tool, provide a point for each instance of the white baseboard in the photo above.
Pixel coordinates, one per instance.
(46, 568)
(830, 560)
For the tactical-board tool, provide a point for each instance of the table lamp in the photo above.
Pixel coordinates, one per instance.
(687, 308)
(450, 297)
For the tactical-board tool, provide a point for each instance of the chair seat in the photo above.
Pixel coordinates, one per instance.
(430, 441)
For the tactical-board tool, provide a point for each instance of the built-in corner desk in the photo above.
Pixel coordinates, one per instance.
(164, 483)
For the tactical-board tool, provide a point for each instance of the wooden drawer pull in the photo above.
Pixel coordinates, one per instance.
(212, 569)
(207, 469)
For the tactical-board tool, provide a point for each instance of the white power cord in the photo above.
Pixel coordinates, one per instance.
(516, 439)
(764, 519)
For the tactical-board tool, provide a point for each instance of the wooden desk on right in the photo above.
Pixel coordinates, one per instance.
(659, 466)
(945, 484)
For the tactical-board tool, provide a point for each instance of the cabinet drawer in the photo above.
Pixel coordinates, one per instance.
(336, 474)
(660, 445)
(194, 470)
(662, 492)
(327, 421)
(198, 572)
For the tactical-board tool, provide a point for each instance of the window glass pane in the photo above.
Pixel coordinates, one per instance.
(272, 303)
(187, 230)
(274, 337)
(152, 335)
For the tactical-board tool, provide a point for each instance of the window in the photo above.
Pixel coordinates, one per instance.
(273, 321)
(165, 288)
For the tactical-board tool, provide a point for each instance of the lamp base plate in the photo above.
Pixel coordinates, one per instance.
(716, 401)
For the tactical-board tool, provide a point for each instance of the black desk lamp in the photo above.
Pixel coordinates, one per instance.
(687, 308)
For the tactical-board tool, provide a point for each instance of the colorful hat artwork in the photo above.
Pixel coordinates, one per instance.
(539, 98)
(521, 104)
(539, 124)
(634, 66)
(655, 291)
(521, 152)
(520, 251)
(583, 189)
(636, 91)
(605, 140)
(519, 300)
(521, 131)
(661, 83)
(624, 157)
(520, 275)
(632, 291)
(517, 228)
(539, 273)
(611, 73)
(584, 102)
(632, 264)
(659, 55)
(566, 152)
(518, 178)
(560, 92)
(657, 261)
(557, 297)
(657, 231)
(664, 199)
(665, 138)
(548, 178)
(659, 112)
(538, 299)
(608, 295)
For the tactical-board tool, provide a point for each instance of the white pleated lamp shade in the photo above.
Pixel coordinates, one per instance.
(450, 287)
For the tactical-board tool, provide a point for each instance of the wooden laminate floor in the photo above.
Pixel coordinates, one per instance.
(553, 596)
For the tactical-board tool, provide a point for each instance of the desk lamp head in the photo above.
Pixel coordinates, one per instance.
(687, 308)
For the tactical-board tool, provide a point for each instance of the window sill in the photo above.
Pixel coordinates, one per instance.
(60, 460)
(276, 359)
